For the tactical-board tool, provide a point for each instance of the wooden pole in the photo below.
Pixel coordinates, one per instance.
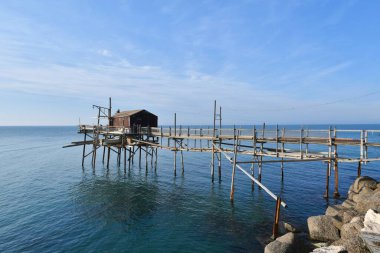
(104, 152)
(139, 147)
(183, 166)
(125, 159)
(326, 195)
(108, 157)
(220, 146)
(146, 159)
(175, 145)
(84, 147)
(129, 159)
(213, 148)
(233, 168)
(359, 168)
(336, 172)
(155, 161)
(276, 218)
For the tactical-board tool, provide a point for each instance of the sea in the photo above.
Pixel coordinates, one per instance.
(49, 203)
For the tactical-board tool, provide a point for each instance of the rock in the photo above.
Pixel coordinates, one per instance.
(369, 202)
(363, 195)
(352, 246)
(371, 222)
(285, 227)
(361, 182)
(321, 228)
(337, 221)
(351, 229)
(348, 204)
(349, 215)
(289, 227)
(278, 247)
(335, 210)
(357, 219)
(331, 249)
(290, 242)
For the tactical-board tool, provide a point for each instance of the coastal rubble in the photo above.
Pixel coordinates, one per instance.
(349, 227)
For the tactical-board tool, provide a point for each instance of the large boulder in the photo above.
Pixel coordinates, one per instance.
(372, 201)
(365, 181)
(290, 242)
(331, 249)
(371, 222)
(351, 229)
(278, 247)
(364, 194)
(321, 228)
(335, 210)
(350, 238)
(348, 204)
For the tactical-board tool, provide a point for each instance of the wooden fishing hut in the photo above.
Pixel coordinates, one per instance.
(133, 119)
(136, 131)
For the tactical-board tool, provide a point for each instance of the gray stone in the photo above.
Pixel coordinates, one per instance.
(354, 245)
(299, 242)
(348, 204)
(348, 215)
(278, 247)
(321, 228)
(372, 222)
(331, 249)
(363, 195)
(350, 230)
(334, 210)
(370, 202)
(337, 221)
(361, 182)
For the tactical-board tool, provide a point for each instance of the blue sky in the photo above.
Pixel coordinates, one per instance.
(285, 62)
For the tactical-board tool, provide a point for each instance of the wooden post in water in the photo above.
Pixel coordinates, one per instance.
(282, 152)
(213, 148)
(125, 159)
(220, 146)
(183, 166)
(146, 158)
(175, 144)
(139, 147)
(359, 168)
(336, 172)
(233, 168)
(276, 218)
(261, 153)
(326, 195)
(129, 159)
(104, 152)
(84, 146)
(108, 157)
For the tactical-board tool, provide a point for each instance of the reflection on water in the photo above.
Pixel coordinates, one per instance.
(123, 202)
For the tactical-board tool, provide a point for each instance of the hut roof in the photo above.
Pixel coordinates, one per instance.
(128, 113)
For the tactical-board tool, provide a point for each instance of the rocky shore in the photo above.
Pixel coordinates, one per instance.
(342, 227)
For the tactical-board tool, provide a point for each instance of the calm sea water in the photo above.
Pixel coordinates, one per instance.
(49, 204)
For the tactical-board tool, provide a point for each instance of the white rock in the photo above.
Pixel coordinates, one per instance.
(371, 222)
(330, 249)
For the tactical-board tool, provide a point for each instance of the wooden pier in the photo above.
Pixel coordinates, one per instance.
(240, 146)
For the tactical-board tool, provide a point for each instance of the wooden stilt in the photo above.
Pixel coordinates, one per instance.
(129, 159)
(359, 169)
(276, 218)
(219, 154)
(155, 161)
(213, 148)
(139, 148)
(84, 148)
(108, 157)
(326, 195)
(146, 159)
(282, 169)
(125, 159)
(104, 152)
(183, 166)
(233, 168)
